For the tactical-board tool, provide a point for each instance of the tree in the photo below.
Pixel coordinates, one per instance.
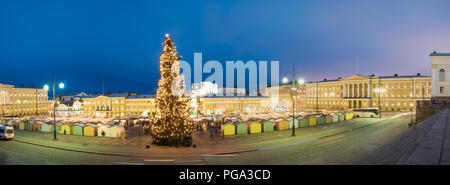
(171, 125)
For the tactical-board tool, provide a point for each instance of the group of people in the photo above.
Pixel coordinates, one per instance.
(212, 127)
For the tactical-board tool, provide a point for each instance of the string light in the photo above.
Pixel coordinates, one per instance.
(171, 124)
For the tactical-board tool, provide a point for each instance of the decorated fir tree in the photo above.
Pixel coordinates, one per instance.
(171, 125)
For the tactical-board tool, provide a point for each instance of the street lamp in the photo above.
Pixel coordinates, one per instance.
(301, 81)
(412, 103)
(46, 87)
(379, 90)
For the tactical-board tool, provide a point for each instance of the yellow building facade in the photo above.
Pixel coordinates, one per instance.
(125, 105)
(390, 93)
(118, 105)
(234, 104)
(22, 101)
(281, 97)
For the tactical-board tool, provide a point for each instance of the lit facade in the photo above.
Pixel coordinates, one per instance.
(390, 93)
(119, 105)
(22, 101)
(140, 105)
(234, 104)
(440, 70)
(281, 97)
(69, 108)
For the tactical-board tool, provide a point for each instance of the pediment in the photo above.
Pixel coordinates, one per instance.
(354, 77)
(101, 97)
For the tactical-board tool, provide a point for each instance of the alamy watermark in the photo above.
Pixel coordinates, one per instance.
(258, 76)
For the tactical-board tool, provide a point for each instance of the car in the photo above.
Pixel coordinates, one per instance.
(6, 132)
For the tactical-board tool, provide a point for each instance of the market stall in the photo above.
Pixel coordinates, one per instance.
(78, 129)
(241, 128)
(267, 126)
(229, 129)
(66, 129)
(90, 130)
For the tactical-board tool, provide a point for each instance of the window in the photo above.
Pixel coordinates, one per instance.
(442, 75)
(441, 89)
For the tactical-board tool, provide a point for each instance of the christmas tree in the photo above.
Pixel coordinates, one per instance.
(171, 125)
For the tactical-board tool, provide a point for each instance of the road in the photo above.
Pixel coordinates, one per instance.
(350, 142)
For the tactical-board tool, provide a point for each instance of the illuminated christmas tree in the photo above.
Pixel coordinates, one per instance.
(171, 125)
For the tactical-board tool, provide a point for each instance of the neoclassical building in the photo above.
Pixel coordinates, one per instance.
(389, 93)
(281, 97)
(234, 104)
(440, 70)
(67, 108)
(119, 105)
(22, 101)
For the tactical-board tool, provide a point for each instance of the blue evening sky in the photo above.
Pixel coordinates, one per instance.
(83, 41)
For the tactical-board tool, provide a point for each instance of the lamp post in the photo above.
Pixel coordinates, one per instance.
(46, 87)
(412, 97)
(301, 81)
(379, 90)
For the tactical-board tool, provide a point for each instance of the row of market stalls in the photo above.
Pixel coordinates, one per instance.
(112, 129)
(252, 126)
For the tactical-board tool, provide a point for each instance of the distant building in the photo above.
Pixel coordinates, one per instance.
(282, 95)
(389, 93)
(69, 108)
(119, 105)
(440, 69)
(76, 96)
(234, 104)
(203, 89)
(22, 101)
(232, 91)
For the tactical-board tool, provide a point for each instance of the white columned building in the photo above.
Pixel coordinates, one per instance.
(440, 83)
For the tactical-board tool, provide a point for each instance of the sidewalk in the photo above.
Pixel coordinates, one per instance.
(426, 144)
(434, 147)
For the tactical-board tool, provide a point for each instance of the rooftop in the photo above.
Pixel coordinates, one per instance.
(143, 96)
(234, 96)
(381, 77)
(439, 54)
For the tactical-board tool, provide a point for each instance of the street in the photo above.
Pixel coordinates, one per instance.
(349, 142)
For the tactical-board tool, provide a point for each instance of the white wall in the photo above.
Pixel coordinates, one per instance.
(438, 63)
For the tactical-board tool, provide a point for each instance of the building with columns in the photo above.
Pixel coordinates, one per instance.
(234, 104)
(440, 72)
(389, 93)
(281, 97)
(22, 101)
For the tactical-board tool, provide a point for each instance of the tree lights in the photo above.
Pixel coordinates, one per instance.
(171, 125)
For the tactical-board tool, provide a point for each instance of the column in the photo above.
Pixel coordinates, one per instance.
(363, 92)
(348, 90)
(357, 90)
(414, 88)
(368, 90)
(343, 91)
(351, 90)
(420, 90)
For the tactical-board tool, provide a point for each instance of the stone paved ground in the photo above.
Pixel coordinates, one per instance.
(136, 143)
(428, 143)
(349, 142)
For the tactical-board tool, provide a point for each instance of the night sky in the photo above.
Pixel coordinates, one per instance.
(83, 41)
